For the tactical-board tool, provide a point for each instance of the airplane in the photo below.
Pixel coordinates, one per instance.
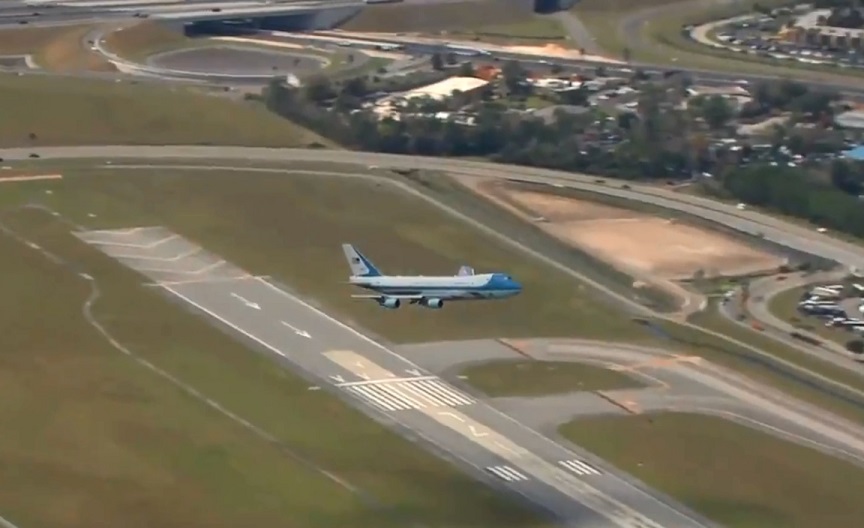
(429, 292)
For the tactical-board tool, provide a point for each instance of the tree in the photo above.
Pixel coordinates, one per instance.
(716, 111)
(856, 346)
(514, 77)
(437, 62)
(318, 89)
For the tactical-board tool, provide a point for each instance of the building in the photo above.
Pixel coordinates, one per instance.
(465, 87)
(850, 119)
(447, 88)
(810, 29)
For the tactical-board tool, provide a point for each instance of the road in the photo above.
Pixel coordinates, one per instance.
(385, 385)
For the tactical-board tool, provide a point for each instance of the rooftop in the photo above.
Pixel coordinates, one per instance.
(445, 88)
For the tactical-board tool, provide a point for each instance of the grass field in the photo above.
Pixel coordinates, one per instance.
(90, 438)
(265, 229)
(292, 227)
(702, 462)
(603, 19)
(434, 17)
(539, 378)
(82, 112)
(147, 38)
(537, 29)
(55, 48)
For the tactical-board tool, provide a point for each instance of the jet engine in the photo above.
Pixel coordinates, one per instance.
(432, 303)
(389, 302)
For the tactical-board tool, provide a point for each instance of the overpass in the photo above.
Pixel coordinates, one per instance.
(266, 14)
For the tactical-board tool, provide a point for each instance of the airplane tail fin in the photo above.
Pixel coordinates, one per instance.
(360, 265)
(464, 271)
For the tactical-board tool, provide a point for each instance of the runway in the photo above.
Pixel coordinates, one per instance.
(389, 387)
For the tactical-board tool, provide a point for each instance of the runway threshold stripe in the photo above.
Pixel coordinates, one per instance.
(579, 467)
(506, 473)
(406, 395)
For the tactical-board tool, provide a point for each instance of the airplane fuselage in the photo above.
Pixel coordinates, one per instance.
(484, 286)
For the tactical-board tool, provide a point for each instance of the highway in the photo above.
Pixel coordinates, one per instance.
(852, 88)
(12, 14)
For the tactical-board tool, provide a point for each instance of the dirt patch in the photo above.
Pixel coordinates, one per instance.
(633, 241)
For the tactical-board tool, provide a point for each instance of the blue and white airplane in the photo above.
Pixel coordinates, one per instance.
(429, 292)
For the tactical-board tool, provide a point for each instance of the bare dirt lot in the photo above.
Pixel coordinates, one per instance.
(632, 241)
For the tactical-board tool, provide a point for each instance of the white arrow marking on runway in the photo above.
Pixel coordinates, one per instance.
(247, 303)
(451, 415)
(363, 375)
(297, 330)
(475, 432)
(413, 372)
(338, 379)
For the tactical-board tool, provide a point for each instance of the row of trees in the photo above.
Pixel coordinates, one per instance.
(796, 193)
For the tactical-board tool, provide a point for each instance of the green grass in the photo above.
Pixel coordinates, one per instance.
(538, 29)
(603, 19)
(433, 17)
(90, 438)
(139, 41)
(736, 476)
(540, 378)
(88, 112)
(291, 227)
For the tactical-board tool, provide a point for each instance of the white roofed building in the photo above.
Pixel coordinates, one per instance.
(439, 91)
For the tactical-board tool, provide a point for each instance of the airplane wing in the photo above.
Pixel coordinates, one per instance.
(465, 270)
(393, 296)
